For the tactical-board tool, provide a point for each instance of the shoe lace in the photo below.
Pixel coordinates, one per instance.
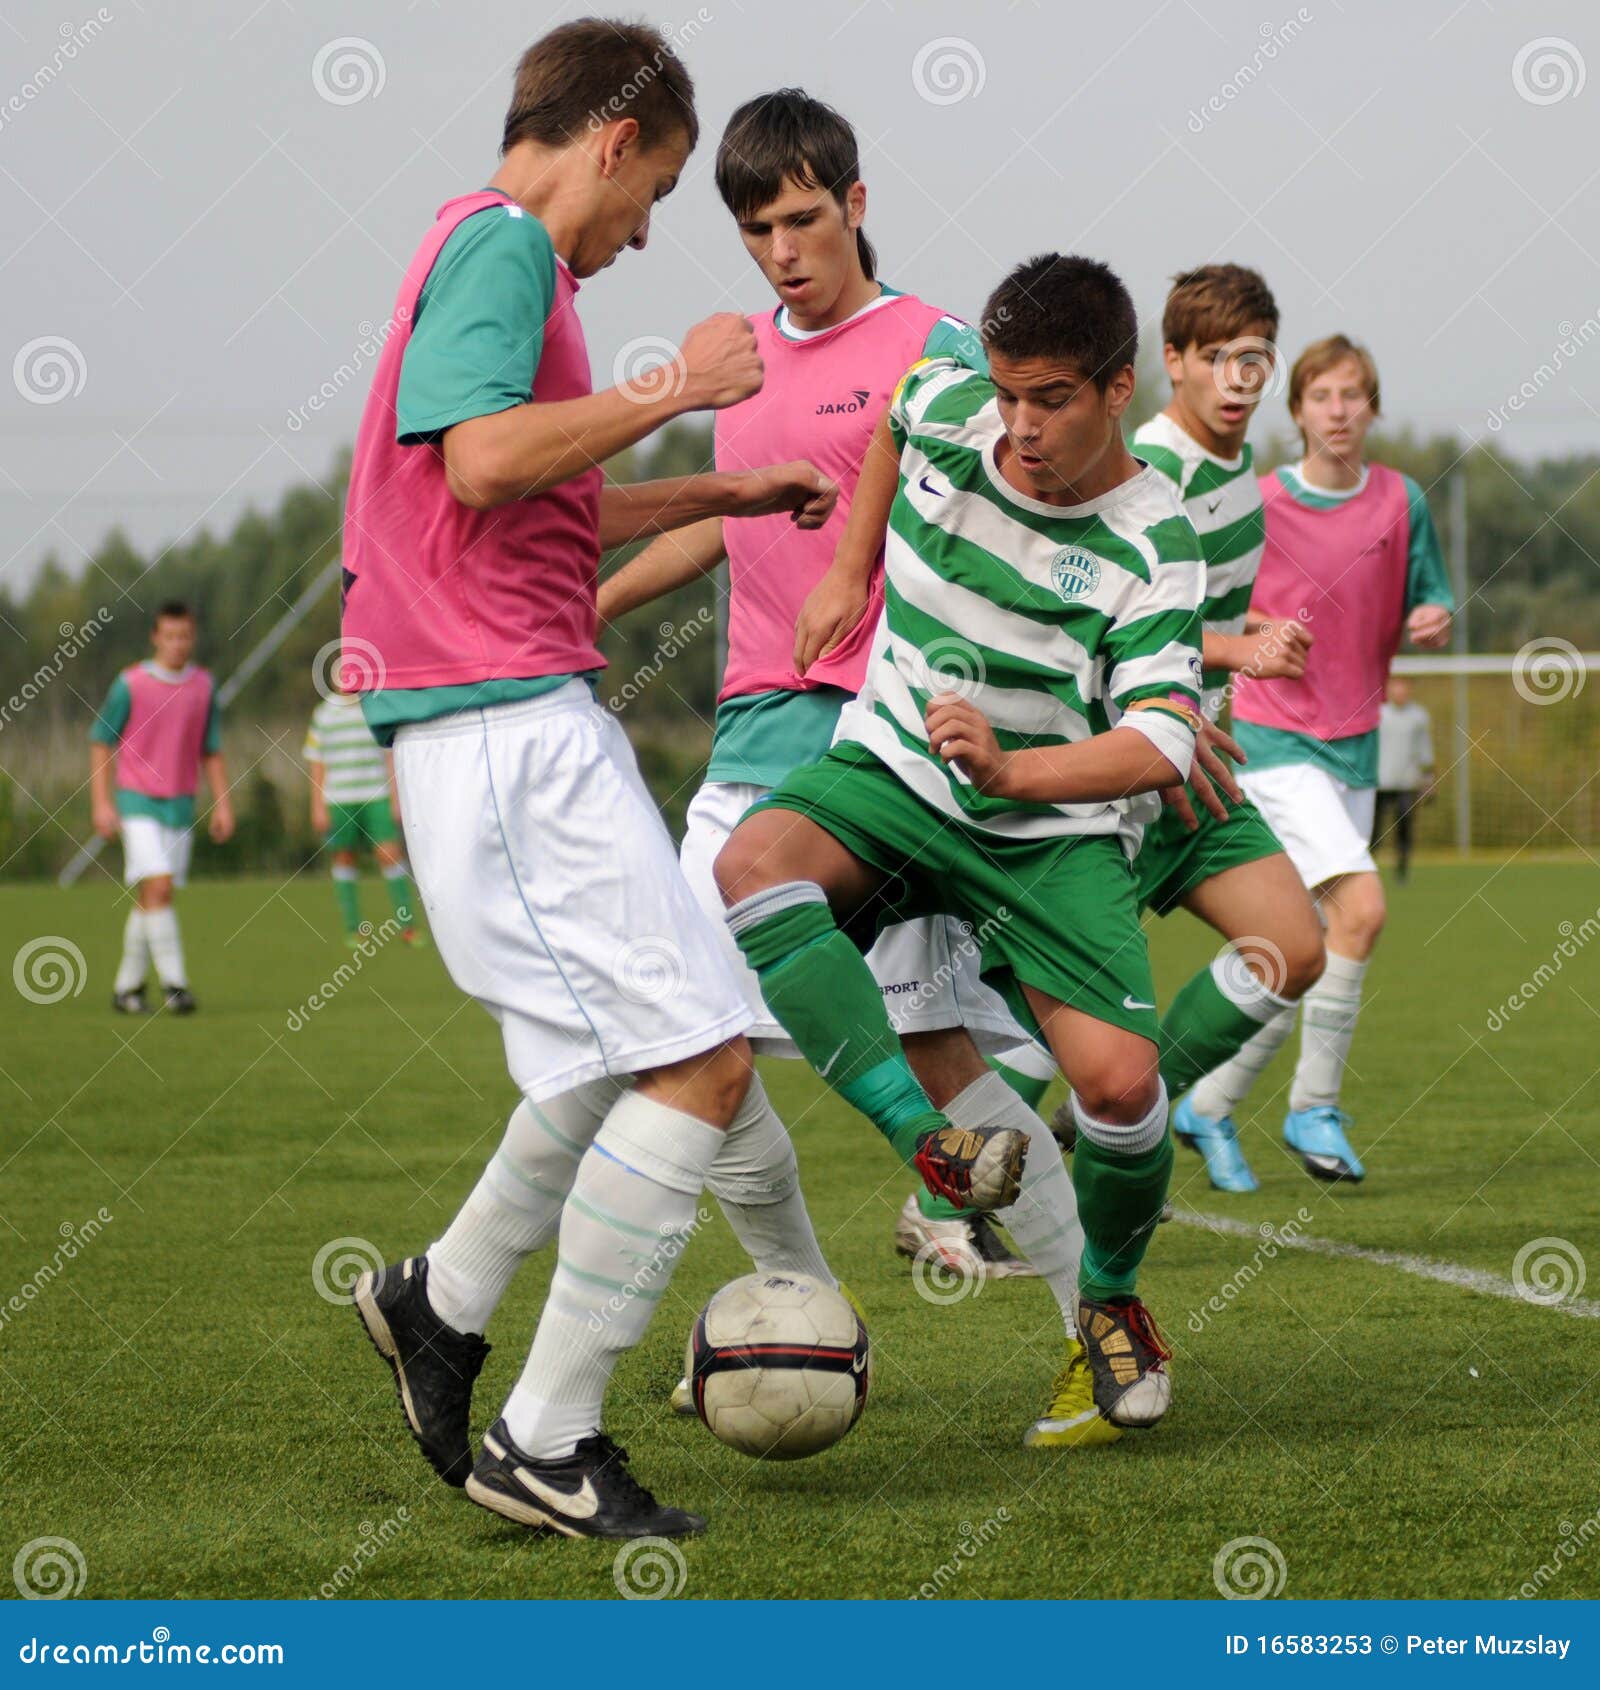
(1144, 1328)
(612, 1458)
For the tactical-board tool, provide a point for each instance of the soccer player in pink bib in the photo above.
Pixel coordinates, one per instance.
(476, 516)
(157, 730)
(1351, 553)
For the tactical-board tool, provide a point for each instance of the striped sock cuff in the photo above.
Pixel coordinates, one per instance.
(1243, 988)
(759, 906)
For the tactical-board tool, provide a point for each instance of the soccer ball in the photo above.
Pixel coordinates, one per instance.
(779, 1365)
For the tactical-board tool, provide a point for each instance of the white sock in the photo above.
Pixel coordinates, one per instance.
(515, 1207)
(1332, 1007)
(135, 953)
(633, 1206)
(161, 928)
(757, 1181)
(1221, 1091)
(1043, 1222)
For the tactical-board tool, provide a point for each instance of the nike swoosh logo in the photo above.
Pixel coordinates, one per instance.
(1133, 1003)
(938, 492)
(822, 1073)
(858, 1364)
(581, 1504)
(1212, 504)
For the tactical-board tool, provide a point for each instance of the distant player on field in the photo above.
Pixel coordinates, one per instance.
(1219, 330)
(475, 519)
(1034, 566)
(1352, 554)
(351, 808)
(157, 730)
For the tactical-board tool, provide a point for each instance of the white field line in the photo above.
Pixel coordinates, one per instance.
(1422, 1267)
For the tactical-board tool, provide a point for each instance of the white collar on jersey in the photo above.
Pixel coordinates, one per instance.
(789, 332)
(173, 677)
(1297, 474)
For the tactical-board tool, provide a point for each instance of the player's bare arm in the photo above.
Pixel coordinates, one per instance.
(632, 510)
(220, 826)
(1265, 649)
(670, 561)
(319, 801)
(1428, 626)
(839, 600)
(106, 822)
(1121, 763)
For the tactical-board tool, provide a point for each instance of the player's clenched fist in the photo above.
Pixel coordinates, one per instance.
(1277, 649)
(720, 362)
(959, 731)
(799, 488)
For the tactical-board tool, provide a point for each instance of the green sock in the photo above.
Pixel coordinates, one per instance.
(821, 990)
(347, 890)
(1200, 1031)
(1119, 1204)
(1031, 1091)
(399, 887)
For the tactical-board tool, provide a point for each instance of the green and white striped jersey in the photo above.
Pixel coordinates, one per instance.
(355, 768)
(1223, 501)
(1058, 622)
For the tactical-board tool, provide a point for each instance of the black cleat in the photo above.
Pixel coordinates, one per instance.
(434, 1365)
(589, 1493)
(1127, 1360)
(130, 1003)
(180, 1001)
(1064, 1127)
(974, 1167)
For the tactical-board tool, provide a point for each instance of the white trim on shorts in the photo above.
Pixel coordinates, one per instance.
(1324, 825)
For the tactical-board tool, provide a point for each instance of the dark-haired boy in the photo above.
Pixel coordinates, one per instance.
(789, 171)
(1219, 328)
(1040, 578)
(158, 729)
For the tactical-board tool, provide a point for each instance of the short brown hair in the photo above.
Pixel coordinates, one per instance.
(1217, 302)
(596, 71)
(1320, 357)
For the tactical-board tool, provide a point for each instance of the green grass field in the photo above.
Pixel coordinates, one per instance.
(182, 1404)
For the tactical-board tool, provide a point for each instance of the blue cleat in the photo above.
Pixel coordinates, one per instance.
(1319, 1137)
(1218, 1142)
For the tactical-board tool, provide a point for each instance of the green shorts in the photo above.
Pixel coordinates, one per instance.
(350, 826)
(1172, 861)
(1058, 914)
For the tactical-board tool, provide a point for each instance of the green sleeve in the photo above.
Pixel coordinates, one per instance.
(213, 739)
(951, 338)
(1427, 581)
(113, 717)
(479, 326)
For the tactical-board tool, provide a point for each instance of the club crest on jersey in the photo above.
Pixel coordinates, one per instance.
(1074, 573)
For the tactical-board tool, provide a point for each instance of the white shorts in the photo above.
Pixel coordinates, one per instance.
(554, 895)
(1325, 826)
(927, 969)
(151, 848)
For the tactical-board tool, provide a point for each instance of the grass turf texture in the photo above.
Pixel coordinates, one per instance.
(182, 1404)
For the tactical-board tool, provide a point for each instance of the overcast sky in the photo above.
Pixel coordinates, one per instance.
(207, 208)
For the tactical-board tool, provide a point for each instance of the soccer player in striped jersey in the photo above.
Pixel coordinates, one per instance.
(789, 171)
(1219, 329)
(1351, 552)
(352, 786)
(157, 731)
(1039, 578)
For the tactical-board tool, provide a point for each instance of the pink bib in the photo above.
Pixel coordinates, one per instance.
(161, 746)
(1341, 570)
(821, 400)
(438, 594)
